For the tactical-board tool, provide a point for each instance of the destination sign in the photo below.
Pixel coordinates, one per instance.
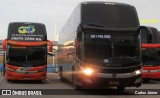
(100, 36)
(27, 32)
(97, 36)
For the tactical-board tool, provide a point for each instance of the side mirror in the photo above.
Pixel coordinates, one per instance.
(51, 54)
(4, 44)
(148, 32)
(50, 45)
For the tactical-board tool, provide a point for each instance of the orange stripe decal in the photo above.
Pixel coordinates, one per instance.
(150, 45)
(27, 43)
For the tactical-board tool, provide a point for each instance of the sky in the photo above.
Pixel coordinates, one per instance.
(57, 12)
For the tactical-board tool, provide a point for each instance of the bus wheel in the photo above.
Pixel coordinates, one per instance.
(120, 88)
(61, 74)
(74, 80)
(76, 85)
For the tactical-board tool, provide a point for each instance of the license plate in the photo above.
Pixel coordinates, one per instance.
(114, 83)
(26, 78)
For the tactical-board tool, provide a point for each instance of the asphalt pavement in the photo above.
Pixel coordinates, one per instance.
(57, 89)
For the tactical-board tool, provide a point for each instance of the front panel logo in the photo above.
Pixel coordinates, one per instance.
(26, 29)
(114, 75)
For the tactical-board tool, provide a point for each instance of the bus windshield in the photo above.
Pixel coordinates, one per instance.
(98, 46)
(151, 57)
(117, 48)
(126, 46)
(110, 16)
(26, 56)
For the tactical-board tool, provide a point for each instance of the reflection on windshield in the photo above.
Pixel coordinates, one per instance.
(28, 56)
(113, 17)
(98, 50)
(98, 46)
(126, 46)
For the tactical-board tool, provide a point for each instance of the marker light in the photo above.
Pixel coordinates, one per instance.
(88, 71)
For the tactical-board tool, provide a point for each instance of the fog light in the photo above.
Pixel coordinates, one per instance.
(87, 80)
(88, 71)
(138, 80)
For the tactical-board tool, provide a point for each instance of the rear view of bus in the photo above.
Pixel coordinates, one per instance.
(100, 44)
(26, 51)
(150, 54)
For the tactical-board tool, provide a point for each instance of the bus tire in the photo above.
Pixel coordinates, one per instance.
(76, 86)
(61, 74)
(120, 88)
(74, 79)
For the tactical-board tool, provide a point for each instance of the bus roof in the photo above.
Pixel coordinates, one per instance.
(104, 2)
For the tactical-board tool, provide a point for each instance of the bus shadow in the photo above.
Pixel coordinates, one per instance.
(107, 91)
(151, 82)
(98, 91)
(26, 82)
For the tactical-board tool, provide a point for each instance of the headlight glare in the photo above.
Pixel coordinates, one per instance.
(88, 71)
(137, 72)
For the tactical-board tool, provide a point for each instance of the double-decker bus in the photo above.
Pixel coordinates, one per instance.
(26, 51)
(150, 54)
(100, 46)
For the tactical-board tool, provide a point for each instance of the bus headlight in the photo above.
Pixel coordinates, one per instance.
(137, 72)
(9, 69)
(88, 71)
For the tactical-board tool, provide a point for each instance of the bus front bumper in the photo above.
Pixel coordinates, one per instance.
(17, 76)
(112, 80)
(150, 74)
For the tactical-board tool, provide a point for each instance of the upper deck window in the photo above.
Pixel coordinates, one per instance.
(110, 16)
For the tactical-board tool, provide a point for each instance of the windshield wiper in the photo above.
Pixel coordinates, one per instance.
(95, 25)
(126, 57)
